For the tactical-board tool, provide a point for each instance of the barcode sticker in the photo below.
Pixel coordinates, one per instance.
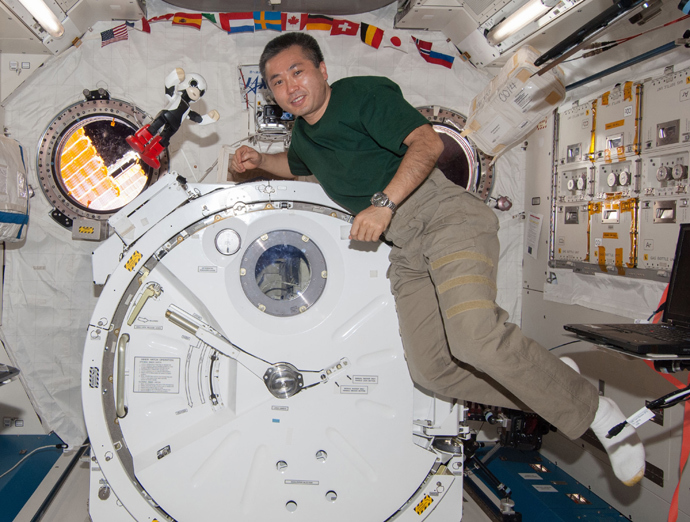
(638, 418)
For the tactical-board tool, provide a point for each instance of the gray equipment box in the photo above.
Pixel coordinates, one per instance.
(571, 240)
(574, 183)
(666, 122)
(665, 173)
(576, 133)
(618, 179)
(613, 234)
(616, 136)
(660, 220)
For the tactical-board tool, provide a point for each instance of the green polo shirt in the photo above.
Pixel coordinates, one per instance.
(355, 149)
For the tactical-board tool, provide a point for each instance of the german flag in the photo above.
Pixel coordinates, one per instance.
(317, 23)
(190, 19)
(371, 35)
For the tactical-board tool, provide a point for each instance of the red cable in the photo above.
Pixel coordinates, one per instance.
(685, 445)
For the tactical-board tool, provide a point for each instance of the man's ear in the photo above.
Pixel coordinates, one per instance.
(324, 72)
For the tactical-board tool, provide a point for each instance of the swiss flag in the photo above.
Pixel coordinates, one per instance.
(344, 27)
(291, 21)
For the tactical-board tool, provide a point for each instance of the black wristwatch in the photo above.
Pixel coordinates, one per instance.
(381, 200)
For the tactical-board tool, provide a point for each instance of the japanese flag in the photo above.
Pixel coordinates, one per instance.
(398, 40)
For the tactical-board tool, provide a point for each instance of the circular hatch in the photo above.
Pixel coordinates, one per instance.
(84, 165)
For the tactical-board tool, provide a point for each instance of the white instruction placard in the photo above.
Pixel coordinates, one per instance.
(544, 488)
(533, 234)
(156, 375)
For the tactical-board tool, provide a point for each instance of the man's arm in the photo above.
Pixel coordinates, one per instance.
(424, 147)
(246, 158)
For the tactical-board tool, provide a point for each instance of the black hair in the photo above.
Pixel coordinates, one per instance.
(279, 44)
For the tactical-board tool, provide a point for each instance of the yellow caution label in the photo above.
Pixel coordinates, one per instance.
(614, 124)
(687, 79)
(610, 235)
(605, 98)
(646, 257)
(133, 261)
(601, 254)
(86, 230)
(619, 257)
(627, 91)
(607, 156)
(620, 151)
(425, 503)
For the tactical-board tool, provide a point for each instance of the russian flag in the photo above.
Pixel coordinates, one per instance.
(237, 22)
(430, 56)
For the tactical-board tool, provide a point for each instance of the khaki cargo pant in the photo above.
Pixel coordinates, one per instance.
(456, 339)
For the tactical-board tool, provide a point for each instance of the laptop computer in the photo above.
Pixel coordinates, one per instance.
(669, 337)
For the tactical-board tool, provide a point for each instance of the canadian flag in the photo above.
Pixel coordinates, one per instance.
(291, 21)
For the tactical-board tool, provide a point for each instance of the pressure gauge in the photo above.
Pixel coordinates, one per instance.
(581, 183)
(624, 178)
(679, 171)
(228, 242)
(663, 173)
(612, 179)
(571, 184)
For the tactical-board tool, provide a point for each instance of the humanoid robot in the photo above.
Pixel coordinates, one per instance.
(181, 92)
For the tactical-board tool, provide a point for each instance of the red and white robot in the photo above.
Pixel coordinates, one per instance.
(181, 91)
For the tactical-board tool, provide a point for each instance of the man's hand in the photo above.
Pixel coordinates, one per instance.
(371, 223)
(246, 158)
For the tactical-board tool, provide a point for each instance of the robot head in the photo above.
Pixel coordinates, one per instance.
(195, 85)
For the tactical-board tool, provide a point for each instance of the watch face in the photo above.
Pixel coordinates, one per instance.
(379, 199)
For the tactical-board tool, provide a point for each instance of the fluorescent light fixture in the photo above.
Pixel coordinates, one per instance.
(44, 16)
(527, 14)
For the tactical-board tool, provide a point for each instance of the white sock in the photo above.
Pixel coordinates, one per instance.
(625, 450)
(571, 363)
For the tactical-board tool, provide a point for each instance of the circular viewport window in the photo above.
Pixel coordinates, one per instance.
(283, 273)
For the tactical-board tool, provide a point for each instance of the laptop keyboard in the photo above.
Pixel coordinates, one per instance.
(658, 331)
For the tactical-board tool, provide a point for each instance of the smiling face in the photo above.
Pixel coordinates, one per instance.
(298, 86)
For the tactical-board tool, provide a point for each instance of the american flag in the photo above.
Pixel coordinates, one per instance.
(114, 35)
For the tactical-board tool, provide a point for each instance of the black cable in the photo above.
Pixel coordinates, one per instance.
(661, 308)
(565, 344)
(668, 400)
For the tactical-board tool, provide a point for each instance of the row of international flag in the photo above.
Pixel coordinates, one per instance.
(252, 21)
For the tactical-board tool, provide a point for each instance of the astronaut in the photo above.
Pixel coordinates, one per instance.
(181, 92)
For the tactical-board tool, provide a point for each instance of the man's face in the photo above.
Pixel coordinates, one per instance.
(298, 86)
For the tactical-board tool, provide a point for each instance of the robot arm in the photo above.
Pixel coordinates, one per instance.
(173, 79)
(205, 119)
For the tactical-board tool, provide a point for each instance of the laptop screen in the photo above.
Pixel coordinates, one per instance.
(678, 300)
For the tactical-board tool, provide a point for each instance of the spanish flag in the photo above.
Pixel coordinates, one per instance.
(371, 35)
(317, 23)
(190, 19)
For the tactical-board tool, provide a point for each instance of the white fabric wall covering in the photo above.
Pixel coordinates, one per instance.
(49, 293)
(627, 297)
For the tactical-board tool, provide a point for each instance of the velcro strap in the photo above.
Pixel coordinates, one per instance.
(461, 256)
(466, 280)
(483, 304)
